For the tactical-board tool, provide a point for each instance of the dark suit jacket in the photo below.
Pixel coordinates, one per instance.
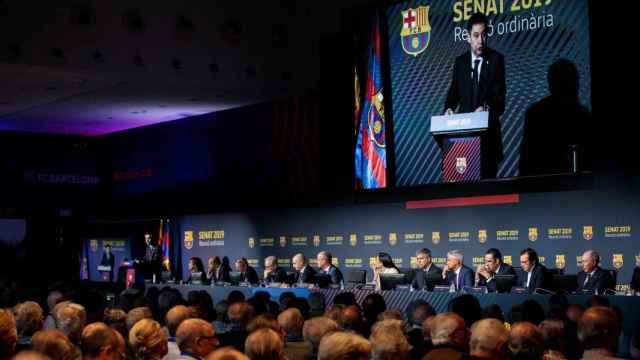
(221, 274)
(279, 275)
(335, 274)
(635, 279)
(601, 280)
(250, 276)
(539, 278)
(420, 278)
(465, 277)
(307, 275)
(492, 92)
(505, 269)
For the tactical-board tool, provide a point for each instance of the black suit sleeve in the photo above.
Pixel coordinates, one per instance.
(453, 96)
(309, 276)
(252, 276)
(497, 89)
(336, 276)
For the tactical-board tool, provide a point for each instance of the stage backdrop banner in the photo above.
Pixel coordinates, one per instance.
(559, 225)
(93, 250)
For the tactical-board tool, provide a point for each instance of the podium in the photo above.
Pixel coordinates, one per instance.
(459, 136)
(105, 272)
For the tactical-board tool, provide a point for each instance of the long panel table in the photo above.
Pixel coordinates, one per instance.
(630, 305)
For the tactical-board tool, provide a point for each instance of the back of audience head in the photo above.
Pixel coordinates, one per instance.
(30, 355)
(202, 303)
(449, 328)
(372, 306)
(391, 314)
(29, 318)
(532, 312)
(493, 311)
(176, 316)
(167, 299)
(116, 319)
(315, 328)
(137, 314)
(70, 319)
(148, 341)
(419, 311)
(489, 339)
(54, 344)
(264, 321)
(350, 318)
(558, 304)
(99, 341)
(240, 313)
(291, 322)
(235, 296)
(316, 304)
(196, 336)
(8, 334)
(335, 312)
(525, 341)
(285, 298)
(574, 312)
(388, 341)
(53, 298)
(226, 353)
(344, 346)
(264, 344)
(468, 307)
(599, 328)
(345, 298)
(553, 335)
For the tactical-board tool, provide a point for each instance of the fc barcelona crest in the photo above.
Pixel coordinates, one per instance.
(618, 261)
(353, 240)
(252, 242)
(533, 234)
(93, 244)
(560, 261)
(587, 232)
(435, 237)
(283, 241)
(482, 236)
(461, 165)
(316, 240)
(188, 240)
(416, 30)
(393, 239)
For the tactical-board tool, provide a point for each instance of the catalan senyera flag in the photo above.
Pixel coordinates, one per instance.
(370, 152)
(164, 238)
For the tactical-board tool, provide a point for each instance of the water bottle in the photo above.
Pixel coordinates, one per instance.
(452, 288)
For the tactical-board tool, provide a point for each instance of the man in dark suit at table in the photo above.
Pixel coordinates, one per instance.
(478, 84)
(247, 273)
(533, 275)
(593, 277)
(326, 267)
(426, 268)
(493, 265)
(456, 273)
(304, 273)
(272, 272)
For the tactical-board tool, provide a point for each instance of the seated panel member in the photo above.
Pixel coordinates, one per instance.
(196, 267)
(492, 265)
(425, 267)
(383, 265)
(272, 272)
(456, 272)
(592, 276)
(533, 274)
(214, 270)
(326, 267)
(304, 273)
(248, 273)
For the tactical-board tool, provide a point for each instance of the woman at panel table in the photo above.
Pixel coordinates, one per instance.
(383, 265)
(196, 271)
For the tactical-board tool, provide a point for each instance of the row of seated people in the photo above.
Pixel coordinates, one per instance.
(493, 274)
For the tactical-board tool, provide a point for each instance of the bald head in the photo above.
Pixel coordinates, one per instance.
(315, 328)
(448, 327)
(8, 333)
(599, 328)
(137, 314)
(196, 336)
(227, 353)
(176, 316)
(99, 341)
(488, 339)
(350, 318)
(299, 261)
(291, 321)
(525, 340)
(240, 313)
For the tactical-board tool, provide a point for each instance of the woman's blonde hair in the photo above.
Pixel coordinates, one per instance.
(148, 340)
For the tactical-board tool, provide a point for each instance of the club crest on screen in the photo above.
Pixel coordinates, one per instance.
(482, 236)
(393, 239)
(435, 237)
(461, 165)
(283, 241)
(252, 242)
(93, 244)
(533, 234)
(587, 232)
(353, 239)
(618, 261)
(188, 240)
(415, 33)
(560, 261)
(316, 240)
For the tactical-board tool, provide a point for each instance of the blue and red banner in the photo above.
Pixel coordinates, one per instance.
(164, 237)
(370, 152)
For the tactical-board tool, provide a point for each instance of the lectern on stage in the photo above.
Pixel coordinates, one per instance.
(459, 139)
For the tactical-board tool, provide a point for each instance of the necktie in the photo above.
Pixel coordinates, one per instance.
(476, 65)
(586, 279)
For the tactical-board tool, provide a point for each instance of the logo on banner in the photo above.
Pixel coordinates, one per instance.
(461, 165)
(93, 244)
(252, 242)
(188, 239)
(587, 232)
(316, 240)
(482, 236)
(353, 240)
(560, 261)
(507, 259)
(393, 239)
(435, 237)
(533, 234)
(416, 30)
(283, 241)
(618, 261)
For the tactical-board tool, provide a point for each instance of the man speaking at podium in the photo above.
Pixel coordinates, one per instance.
(478, 84)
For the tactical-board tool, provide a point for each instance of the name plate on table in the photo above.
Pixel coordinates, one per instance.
(519, 290)
(441, 288)
(104, 268)
(274, 285)
(301, 285)
(459, 123)
(476, 289)
(244, 284)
